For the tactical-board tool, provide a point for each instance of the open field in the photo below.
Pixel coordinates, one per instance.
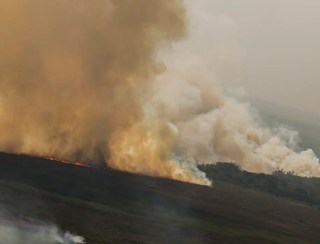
(107, 206)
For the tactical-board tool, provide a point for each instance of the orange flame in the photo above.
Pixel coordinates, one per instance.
(67, 162)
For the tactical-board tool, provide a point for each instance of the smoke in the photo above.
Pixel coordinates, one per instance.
(90, 81)
(41, 235)
(210, 125)
(74, 76)
(15, 230)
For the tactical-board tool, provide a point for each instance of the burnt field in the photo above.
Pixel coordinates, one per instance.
(107, 206)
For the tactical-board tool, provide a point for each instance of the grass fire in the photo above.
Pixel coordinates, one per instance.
(144, 112)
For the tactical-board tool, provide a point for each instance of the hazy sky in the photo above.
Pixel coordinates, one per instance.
(269, 49)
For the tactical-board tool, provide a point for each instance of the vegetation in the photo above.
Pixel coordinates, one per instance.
(107, 206)
(279, 183)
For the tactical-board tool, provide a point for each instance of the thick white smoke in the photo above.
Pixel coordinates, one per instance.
(210, 126)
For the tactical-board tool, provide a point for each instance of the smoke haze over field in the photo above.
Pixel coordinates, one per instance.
(91, 80)
(11, 234)
(15, 230)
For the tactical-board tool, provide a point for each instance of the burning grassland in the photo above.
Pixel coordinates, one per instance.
(86, 81)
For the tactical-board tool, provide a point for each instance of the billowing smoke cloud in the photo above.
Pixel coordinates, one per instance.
(212, 127)
(74, 75)
(79, 81)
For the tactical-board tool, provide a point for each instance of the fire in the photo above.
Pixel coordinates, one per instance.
(147, 149)
(67, 162)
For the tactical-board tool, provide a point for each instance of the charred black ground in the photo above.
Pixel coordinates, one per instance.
(107, 206)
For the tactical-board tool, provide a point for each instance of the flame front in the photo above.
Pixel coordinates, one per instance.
(148, 149)
(68, 162)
